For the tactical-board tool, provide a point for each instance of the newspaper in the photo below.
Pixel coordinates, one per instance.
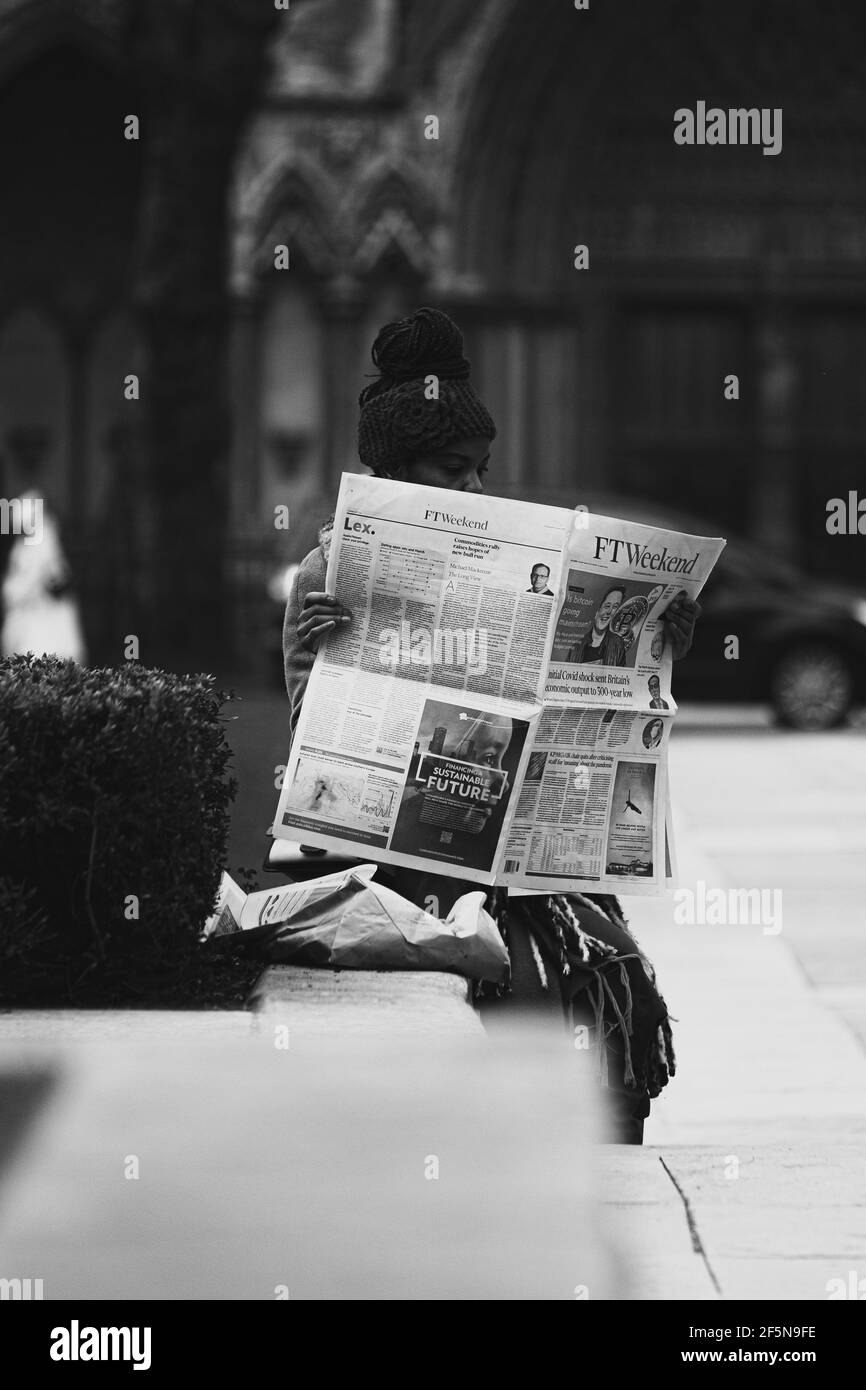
(499, 708)
(345, 921)
(235, 910)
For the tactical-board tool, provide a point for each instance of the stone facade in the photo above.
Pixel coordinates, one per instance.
(555, 129)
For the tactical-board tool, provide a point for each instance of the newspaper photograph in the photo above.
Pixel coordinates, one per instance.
(609, 647)
(467, 718)
(459, 786)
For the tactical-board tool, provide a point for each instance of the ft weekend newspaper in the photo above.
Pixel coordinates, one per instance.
(499, 708)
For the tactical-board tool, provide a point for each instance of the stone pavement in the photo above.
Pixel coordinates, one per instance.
(763, 1130)
(165, 1167)
(751, 1183)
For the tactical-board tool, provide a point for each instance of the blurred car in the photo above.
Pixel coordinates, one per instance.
(802, 639)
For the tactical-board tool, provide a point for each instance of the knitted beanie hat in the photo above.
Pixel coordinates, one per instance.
(401, 417)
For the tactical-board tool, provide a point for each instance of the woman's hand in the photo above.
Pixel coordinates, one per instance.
(680, 617)
(320, 615)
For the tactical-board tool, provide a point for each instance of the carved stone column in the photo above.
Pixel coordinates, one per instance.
(342, 305)
(200, 70)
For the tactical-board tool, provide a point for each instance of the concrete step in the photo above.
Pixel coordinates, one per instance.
(373, 1003)
(120, 1025)
(369, 1171)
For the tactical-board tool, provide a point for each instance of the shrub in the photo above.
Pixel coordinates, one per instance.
(114, 799)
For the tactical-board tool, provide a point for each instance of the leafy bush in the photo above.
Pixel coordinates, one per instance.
(114, 797)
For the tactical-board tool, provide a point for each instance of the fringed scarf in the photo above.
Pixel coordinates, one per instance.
(584, 943)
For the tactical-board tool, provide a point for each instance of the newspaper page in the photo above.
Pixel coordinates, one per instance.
(594, 807)
(591, 814)
(414, 731)
(609, 645)
(477, 718)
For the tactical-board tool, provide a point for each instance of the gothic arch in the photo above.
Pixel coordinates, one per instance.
(394, 219)
(32, 27)
(568, 133)
(294, 206)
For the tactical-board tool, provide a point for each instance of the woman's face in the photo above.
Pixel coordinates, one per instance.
(461, 466)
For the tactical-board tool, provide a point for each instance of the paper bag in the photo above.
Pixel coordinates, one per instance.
(347, 921)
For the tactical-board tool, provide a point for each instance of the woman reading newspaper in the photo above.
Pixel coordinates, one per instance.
(570, 953)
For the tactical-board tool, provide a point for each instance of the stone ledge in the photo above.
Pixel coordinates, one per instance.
(342, 1001)
(88, 1026)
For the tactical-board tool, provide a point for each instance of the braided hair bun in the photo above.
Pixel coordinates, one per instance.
(400, 418)
(426, 343)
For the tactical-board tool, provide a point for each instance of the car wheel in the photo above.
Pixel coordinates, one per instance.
(812, 687)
